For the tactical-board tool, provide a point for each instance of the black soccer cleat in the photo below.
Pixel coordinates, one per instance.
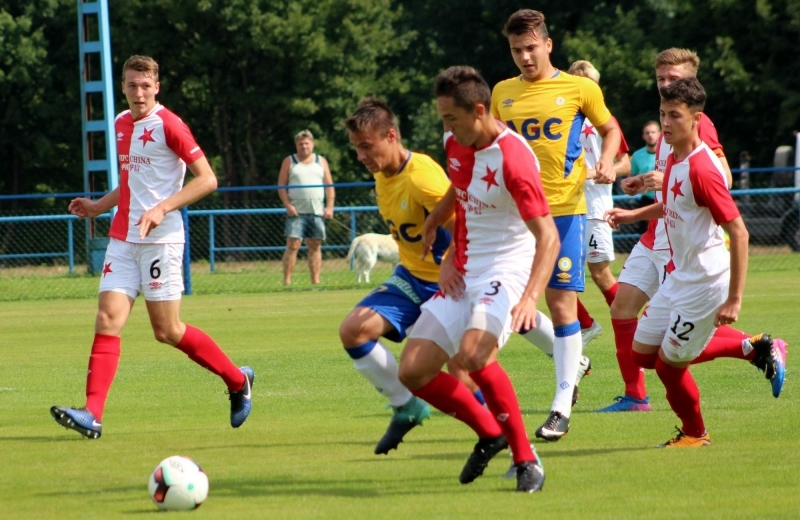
(555, 427)
(483, 452)
(530, 477)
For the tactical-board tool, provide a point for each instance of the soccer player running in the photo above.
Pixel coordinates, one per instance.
(705, 283)
(599, 243)
(145, 254)
(408, 187)
(547, 107)
(645, 268)
(504, 246)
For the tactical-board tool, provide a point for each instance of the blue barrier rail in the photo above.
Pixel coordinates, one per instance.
(69, 253)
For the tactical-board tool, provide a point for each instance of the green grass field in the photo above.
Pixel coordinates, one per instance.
(306, 450)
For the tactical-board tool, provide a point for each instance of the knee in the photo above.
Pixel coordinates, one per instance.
(352, 331)
(108, 322)
(622, 309)
(414, 377)
(293, 245)
(170, 335)
(313, 245)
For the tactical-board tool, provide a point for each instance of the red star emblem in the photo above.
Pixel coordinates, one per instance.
(107, 269)
(588, 130)
(146, 136)
(676, 190)
(438, 294)
(489, 178)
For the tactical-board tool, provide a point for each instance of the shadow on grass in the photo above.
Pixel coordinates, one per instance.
(370, 443)
(45, 438)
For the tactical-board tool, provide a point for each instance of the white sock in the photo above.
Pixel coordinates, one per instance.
(567, 355)
(747, 347)
(380, 369)
(542, 336)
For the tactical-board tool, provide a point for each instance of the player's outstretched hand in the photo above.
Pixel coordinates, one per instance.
(149, 221)
(618, 216)
(728, 313)
(632, 185)
(83, 208)
(604, 173)
(653, 180)
(451, 281)
(523, 315)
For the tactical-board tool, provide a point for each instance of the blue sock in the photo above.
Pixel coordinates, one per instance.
(479, 396)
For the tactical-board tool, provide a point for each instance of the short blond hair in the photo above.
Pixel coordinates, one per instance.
(305, 134)
(144, 64)
(585, 69)
(676, 56)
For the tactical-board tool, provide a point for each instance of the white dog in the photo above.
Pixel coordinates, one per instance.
(367, 249)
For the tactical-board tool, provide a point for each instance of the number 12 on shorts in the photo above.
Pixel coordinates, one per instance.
(684, 334)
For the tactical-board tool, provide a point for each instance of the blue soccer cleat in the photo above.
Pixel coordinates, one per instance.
(242, 401)
(770, 358)
(626, 403)
(79, 419)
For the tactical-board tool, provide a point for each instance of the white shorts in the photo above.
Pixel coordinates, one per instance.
(680, 318)
(599, 243)
(153, 269)
(487, 306)
(645, 269)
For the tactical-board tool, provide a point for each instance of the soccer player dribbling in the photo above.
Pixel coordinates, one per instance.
(645, 268)
(146, 248)
(547, 107)
(704, 286)
(504, 246)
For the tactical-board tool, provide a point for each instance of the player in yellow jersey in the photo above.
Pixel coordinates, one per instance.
(408, 186)
(548, 107)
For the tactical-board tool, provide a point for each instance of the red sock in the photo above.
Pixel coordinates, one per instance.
(449, 395)
(103, 363)
(724, 345)
(632, 373)
(726, 331)
(683, 396)
(611, 293)
(502, 401)
(583, 316)
(205, 352)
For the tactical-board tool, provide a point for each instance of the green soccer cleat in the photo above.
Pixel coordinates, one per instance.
(404, 419)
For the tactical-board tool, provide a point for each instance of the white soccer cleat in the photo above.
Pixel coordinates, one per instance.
(588, 334)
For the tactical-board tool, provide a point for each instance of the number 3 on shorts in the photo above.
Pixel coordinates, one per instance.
(495, 285)
(155, 271)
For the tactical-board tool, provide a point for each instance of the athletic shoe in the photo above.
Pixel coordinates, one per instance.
(589, 333)
(681, 440)
(626, 403)
(584, 369)
(79, 419)
(530, 476)
(483, 452)
(770, 358)
(555, 427)
(242, 401)
(404, 419)
(512, 470)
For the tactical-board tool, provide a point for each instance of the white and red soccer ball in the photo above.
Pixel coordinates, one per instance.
(178, 484)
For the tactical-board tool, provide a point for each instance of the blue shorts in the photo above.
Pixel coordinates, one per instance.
(398, 299)
(305, 226)
(568, 271)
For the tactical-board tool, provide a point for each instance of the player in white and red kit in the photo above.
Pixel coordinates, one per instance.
(146, 249)
(705, 283)
(644, 270)
(599, 242)
(505, 243)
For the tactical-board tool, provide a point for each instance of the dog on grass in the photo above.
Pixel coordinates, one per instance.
(367, 249)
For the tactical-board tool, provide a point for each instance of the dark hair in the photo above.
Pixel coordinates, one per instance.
(372, 114)
(651, 123)
(465, 85)
(688, 91)
(526, 21)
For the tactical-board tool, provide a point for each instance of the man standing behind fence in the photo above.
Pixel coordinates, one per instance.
(145, 254)
(305, 215)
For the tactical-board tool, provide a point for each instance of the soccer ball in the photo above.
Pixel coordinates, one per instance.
(178, 484)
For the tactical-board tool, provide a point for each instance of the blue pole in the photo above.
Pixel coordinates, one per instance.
(70, 247)
(211, 233)
(187, 254)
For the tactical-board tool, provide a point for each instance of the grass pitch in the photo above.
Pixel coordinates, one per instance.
(306, 450)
